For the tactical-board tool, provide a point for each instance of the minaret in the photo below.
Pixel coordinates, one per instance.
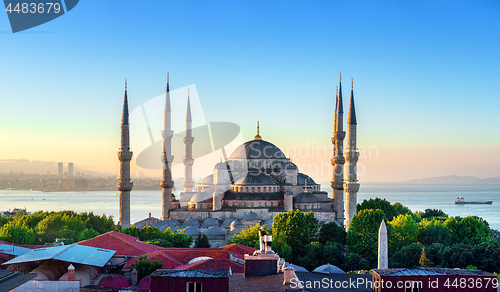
(351, 155)
(125, 155)
(188, 160)
(338, 159)
(167, 184)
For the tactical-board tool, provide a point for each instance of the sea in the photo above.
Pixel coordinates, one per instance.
(417, 197)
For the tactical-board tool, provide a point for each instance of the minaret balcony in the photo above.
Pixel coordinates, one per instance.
(125, 155)
(351, 156)
(351, 187)
(188, 162)
(124, 186)
(188, 140)
(167, 184)
(338, 135)
(338, 160)
(167, 134)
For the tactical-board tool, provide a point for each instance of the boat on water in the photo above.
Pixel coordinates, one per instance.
(460, 200)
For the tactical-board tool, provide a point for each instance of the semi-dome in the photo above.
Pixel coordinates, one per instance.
(268, 222)
(191, 222)
(257, 149)
(192, 230)
(306, 198)
(200, 197)
(301, 179)
(221, 165)
(255, 178)
(210, 222)
(236, 223)
(227, 222)
(114, 281)
(290, 166)
(208, 180)
(329, 269)
(215, 230)
(250, 216)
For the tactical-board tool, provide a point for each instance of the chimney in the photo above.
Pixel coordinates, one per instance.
(134, 277)
(71, 273)
(149, 214)
(288, 274)
(264, 261)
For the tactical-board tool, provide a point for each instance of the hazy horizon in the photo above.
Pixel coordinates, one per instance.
(425, 82)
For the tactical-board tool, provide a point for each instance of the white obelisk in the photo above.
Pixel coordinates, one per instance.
(383, 262)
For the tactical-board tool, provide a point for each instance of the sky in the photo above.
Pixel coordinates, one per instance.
(425, 75)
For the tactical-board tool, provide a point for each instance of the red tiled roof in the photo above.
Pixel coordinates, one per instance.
(187, 254)
(168, 260)
(214, 264)
(124, 244)
(238, 250)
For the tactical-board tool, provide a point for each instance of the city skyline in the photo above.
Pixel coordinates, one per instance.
(424, 81)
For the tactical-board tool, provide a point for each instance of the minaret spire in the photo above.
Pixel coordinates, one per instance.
(125, 184)
(188, 160)
(338, 159)
(351, 155)
(167, 184)
(258, 137)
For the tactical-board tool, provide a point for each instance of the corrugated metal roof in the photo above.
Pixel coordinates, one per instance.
(12, 249)
(74, 253)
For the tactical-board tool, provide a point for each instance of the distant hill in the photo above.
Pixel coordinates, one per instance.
(453, 179)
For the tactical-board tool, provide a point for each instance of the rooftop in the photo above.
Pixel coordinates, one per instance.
(125, 245)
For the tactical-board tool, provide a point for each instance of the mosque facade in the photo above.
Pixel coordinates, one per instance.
(256, 182)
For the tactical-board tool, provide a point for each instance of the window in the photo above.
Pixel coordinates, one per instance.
(193, 287)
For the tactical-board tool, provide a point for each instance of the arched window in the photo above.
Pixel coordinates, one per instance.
(265, 190)
(258, 189)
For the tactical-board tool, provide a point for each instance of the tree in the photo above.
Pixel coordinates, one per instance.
(458, 256)
(404, 231)
(59, 225)
(295, 229)
(380, 204)
(87, 234)
(132, 231)
(318, 254)
(149, 233)
(17, 234)
(4, 220)
(355, 262)
(428, 213)
(434, 254)
(407, 257)
(249, 236)
(145, 267)
(469, 230)
(487, 255)
(433, 231)
(399, 209)
(201, 241)
(331, 232)
(178, 239)
(424, 261)
(362, 237)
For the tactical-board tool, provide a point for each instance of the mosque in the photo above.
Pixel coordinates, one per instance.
(254, 184)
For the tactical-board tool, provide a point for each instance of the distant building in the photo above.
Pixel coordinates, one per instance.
(70, 169)
(81, 184)
(60, 169)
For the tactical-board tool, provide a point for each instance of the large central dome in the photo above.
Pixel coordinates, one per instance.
(257, 149)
